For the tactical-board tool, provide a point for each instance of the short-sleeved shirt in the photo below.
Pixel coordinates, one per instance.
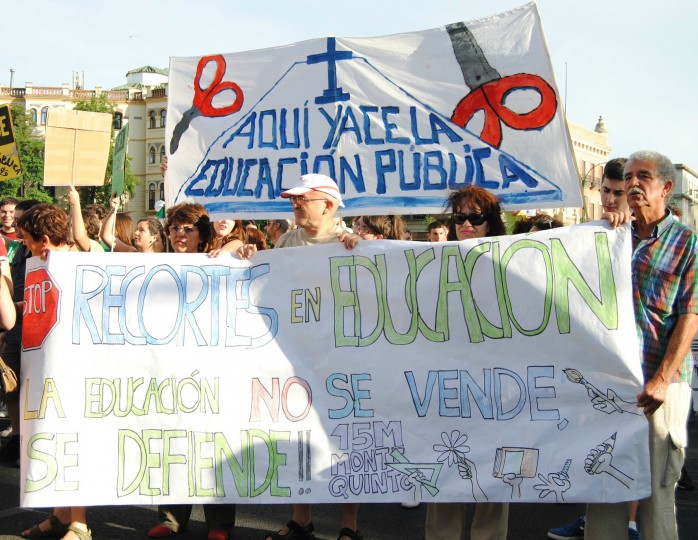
(298, 237)
(3, 251)
(664, 271)
(95, 247)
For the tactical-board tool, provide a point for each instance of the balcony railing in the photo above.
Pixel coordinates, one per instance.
(49, 91)
(12, 92)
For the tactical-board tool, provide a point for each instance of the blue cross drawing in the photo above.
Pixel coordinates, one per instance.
(332, 93)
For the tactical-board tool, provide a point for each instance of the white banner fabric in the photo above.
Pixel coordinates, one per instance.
(398, 121)
(501, 369)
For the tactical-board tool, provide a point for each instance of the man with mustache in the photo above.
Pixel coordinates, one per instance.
(613, 199)
(665, 296)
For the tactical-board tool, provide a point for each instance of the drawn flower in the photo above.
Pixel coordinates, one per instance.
(453, 449)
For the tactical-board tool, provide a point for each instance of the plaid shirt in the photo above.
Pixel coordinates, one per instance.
(664, 271)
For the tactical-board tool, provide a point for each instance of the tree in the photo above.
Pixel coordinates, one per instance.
(30, 184)
(101, 194)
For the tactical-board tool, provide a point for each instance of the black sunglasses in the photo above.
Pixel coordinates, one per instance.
(474, 218)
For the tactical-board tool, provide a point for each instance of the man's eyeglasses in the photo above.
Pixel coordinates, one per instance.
(188, 229)
(300, 199)
(474, 219)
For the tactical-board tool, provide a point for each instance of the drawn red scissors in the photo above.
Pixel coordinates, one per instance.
(489, 90)
(202, 104)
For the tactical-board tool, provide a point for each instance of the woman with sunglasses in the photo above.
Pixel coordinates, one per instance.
(190, 230)
(476, 214)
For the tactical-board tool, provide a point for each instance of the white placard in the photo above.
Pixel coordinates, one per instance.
(398, 121)
(501, 369)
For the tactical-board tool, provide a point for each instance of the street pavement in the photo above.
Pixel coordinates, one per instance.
(377, 521)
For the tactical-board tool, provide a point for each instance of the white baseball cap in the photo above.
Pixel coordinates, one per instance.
(315, 182)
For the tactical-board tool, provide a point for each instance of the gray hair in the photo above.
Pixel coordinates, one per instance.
(285, 224)
(665, 168)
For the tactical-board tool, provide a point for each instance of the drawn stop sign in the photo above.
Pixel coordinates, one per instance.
(41, 299)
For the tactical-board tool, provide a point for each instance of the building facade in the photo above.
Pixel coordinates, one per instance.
(141, 103)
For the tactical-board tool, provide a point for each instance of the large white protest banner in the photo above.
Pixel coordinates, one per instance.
(501, 369)
(397, 121)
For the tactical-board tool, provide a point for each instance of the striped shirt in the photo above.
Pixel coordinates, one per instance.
(664, 271)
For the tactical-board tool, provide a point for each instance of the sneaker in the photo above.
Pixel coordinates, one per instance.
(633, 534)
(5, 433)
(685, 481)
(3, 410)
(574, 530)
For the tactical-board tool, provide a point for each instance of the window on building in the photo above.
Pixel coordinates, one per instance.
(44, 116)
(163, 117)
(118, 120)
(151, 155)
(151, 196)
(32, 113)
(162, 191)
(152, 119)
(162, 153)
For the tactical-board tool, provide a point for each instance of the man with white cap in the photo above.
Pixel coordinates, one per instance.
(315, 201)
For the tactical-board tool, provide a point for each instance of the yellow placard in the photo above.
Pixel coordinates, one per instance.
(9, 158)
(77, 148)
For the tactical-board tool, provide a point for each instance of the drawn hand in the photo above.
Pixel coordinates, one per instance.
(349, 240)
(467, 469)
(468, 472)
(415, 479)
(246, 251)
(616, 219)
(514, 481)
(606, 403)
(556, 483)
(598, 460)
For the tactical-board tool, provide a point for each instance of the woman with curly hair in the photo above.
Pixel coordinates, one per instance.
(190, 230)
(476, 213)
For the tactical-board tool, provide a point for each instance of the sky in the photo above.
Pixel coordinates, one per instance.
(634, 62)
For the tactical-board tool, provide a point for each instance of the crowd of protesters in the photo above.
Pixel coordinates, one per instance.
(32, 229)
